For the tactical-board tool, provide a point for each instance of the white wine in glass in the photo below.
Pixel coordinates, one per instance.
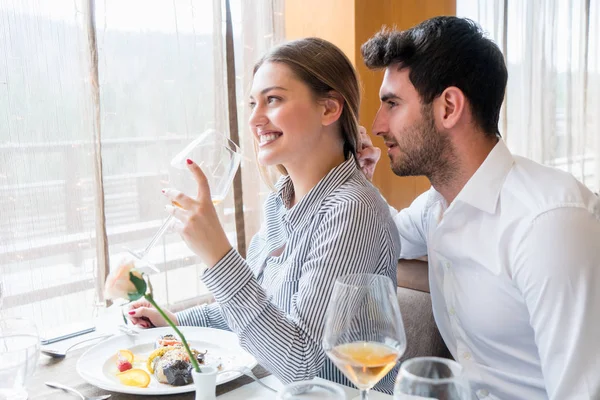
(219, 159)
(364, 363)
(364, 334)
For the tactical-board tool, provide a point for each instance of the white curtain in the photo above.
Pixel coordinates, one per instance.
(162, 80)
(259, 26)
(552, 108)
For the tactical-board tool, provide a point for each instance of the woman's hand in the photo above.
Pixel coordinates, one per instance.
(368, 155)
(197, 220)
(143, 314)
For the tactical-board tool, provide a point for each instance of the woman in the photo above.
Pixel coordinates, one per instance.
(323, 220)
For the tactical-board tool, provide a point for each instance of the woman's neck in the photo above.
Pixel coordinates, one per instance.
(306, 174)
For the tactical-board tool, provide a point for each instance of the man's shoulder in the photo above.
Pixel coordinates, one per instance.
(539, 188)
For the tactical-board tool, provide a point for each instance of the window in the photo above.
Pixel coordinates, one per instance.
(552, 52)
(162, 80)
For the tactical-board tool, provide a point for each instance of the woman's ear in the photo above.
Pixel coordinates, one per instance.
(332, 108)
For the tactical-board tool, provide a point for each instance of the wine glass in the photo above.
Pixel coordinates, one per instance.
(219, 159)
(364, 334)
(431, 378)
(311, 390)
(19, 352)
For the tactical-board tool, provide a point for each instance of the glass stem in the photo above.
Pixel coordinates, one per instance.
(163, 228)
(364, 394)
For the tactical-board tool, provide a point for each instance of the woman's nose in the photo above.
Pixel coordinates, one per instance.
(258, 117)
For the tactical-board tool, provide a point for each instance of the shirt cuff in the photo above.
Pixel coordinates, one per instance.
(227, 277)
(195, 316)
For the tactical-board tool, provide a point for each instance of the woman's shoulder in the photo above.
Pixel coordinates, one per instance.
(357, 193)
(360, 206)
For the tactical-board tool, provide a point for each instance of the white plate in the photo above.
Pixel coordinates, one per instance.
(98, 364)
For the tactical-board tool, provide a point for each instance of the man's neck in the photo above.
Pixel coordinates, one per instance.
(469, 155)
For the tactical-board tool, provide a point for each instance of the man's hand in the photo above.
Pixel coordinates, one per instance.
(368, 155)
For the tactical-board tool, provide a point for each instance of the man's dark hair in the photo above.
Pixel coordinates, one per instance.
(443, 52)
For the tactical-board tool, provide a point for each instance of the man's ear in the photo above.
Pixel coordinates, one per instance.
(449, 107)
(332, 108)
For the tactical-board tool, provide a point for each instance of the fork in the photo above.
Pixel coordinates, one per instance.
(248, 372)
(55, 385)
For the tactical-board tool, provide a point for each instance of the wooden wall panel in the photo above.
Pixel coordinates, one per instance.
(331, 20)
(348, 24)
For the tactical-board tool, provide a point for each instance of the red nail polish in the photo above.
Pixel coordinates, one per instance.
(131, 312)
(189, 161)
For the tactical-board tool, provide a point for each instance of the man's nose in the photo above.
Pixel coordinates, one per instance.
(380, 125)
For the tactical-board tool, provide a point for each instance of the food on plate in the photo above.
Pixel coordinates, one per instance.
(124, 365)
(134, 377)
(172, 365)
(169, 363)
(167, 341)
(124, 360)
(156, 353)
(125, 354)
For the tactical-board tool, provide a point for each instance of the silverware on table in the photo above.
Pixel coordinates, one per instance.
(62, 353)
(71, 390)
(248, 372)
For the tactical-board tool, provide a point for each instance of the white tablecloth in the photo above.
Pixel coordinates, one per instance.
(254, 391)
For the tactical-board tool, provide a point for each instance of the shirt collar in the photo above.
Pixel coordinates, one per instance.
(311, 202)
(483, 189)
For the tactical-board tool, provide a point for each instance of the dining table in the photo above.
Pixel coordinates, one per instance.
(63, 371)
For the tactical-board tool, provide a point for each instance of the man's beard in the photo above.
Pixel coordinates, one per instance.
(425, 151)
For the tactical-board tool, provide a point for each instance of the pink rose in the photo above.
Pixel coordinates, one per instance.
(119, 284)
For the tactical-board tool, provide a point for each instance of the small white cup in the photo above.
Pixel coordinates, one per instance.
(205, 383)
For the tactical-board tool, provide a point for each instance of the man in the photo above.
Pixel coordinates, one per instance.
(513, 246)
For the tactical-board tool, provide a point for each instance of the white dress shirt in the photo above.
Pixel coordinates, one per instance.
(514, 274)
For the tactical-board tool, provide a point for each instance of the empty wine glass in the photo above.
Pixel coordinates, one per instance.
(364, 335)
(19, 353)
(219, 159)
(431, 378)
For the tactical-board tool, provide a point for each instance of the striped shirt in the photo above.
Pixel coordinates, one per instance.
(275, 301)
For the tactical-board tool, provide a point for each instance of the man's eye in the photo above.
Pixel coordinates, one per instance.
(392, 104)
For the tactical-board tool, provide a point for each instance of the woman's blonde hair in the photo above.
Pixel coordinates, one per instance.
(324, 68)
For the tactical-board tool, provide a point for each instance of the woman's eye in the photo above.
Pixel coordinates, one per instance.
(272, 99)
(252, 105)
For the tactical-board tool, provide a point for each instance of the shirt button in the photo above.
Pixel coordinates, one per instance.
(467, 355)
(482, 393)
(452, 311)
(447, 265)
